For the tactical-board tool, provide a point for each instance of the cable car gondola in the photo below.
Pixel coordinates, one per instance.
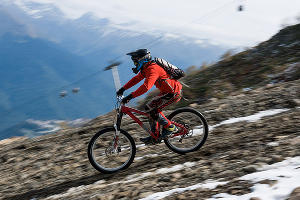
(75, 90)
(63, 94)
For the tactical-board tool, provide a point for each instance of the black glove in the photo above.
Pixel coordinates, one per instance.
(120, 91)
(127, 99)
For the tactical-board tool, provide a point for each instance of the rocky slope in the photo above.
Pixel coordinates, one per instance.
(272, 61)
(56, 166)
(254, 127)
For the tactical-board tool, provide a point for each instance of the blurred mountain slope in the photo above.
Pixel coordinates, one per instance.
(272, 61)
(33, 72)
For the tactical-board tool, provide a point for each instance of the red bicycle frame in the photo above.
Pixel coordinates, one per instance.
(129, 111)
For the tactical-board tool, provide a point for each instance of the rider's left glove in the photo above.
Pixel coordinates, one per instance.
(127, 98)
(120, 91)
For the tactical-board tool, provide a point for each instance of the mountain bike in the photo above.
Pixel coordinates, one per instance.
(113, 149)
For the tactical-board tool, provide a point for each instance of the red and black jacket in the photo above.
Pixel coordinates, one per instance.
(153, 75)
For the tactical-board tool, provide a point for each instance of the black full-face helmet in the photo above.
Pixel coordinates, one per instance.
(139, 58)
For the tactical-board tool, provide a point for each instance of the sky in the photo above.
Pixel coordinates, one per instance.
(216, 21)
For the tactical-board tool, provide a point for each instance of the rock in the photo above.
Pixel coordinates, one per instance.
(250, 169)
(212, 99)
(276, 158)
(145, 194)
(124, 194)
(295, 141)
(228, 173)
(295, 195)
(297, 101)
(176, 175)
(269, 182)
(181, 196)
(164, 179)
(3, 158)
(264, 160)
(254, 198)
(193, 105)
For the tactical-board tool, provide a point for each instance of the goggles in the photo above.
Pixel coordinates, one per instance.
(135, 61)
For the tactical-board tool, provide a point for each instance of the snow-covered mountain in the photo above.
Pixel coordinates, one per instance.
(89, 35)
(33, 128)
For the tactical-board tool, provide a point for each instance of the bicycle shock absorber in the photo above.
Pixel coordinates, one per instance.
(119, 120)
(117, 125)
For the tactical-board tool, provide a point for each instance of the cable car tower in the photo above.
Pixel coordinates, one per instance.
(115, 73)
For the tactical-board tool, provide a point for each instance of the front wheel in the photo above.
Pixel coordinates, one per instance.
(109, 153)
(195, 131)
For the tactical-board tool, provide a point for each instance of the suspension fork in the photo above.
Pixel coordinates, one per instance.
(117, 126)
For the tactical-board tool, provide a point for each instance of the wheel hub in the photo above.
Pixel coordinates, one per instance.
(111, 152)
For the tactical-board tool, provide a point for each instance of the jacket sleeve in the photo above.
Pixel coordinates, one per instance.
(151, 76)
(133, 81)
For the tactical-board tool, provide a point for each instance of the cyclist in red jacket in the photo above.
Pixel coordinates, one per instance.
(170, 90)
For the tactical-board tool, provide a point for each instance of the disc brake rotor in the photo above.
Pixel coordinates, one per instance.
(111, 153)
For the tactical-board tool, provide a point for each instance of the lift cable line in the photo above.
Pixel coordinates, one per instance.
(199, 20)
(47, 94)
(151, 43)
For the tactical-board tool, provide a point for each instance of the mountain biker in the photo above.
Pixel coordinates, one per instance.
(170, 90)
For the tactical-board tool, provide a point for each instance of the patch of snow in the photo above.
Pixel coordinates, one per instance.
(250, 118)
(175, 168)
(247, 89)
(140, 145)
(136, 177)
(55, 129)
(171, 36)
(146, 156)
(74, 191)
(51, 126)
(285, 173)
(198, 131)
(210, 184)
(150, 156)
(33, 13)
(209, 111)
(128, 179)
(273, 144)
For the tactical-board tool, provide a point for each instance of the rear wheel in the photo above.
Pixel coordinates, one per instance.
(108, 153)
(196, 134)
